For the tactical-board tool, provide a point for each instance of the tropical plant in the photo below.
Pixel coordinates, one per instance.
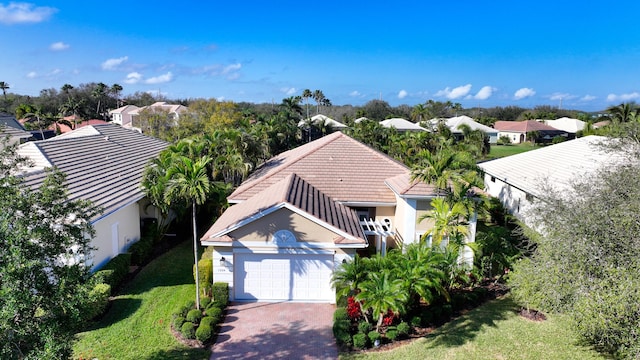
(449, 223)
(348, 276)
(381, 292)
(4, 86)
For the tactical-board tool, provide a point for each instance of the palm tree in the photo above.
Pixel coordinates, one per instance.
(115, 90)
(622, 113)
(419, 268)
(418, 113)
(381, 293)
(306, 95)
(448, 223)
(4, 86)
(291, 105)
(437, 168)
(188, 180)
(348, 276)
(319, 98)
(99, 92)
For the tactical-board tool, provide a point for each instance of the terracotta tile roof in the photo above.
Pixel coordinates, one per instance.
(522, 126)
(404, 186)
(292, 190)
(337, 165)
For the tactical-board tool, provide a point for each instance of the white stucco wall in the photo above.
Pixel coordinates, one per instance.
(123, 224)
(513, 199)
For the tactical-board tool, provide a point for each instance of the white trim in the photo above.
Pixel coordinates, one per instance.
(292, 251)
(366, 204)
(247, 220)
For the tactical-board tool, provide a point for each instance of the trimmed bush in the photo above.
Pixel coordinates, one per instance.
(188, 330)
(373, 336)
(340, 314)
(392, 335)
(177, 322)
(141, 250)
(204, 333)
(120, 266)
(364, 327)
(194, 316)
(416, 321)
(98, 299)
(403, 329)
(182, 311)
(101, 277)
(209, 321)
(205, 272)
(220, 292)
(215, 312)
(361, 341)
(341, 332)
(204, 302)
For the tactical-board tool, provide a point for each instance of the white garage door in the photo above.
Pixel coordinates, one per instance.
(271, 277)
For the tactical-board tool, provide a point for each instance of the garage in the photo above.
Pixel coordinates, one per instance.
(284, 277)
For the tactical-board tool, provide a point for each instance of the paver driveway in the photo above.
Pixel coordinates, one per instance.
(276, 331)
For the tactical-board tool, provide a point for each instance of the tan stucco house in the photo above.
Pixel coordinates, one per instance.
(309, 209)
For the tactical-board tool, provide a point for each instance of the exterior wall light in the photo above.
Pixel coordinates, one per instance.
(223, 261)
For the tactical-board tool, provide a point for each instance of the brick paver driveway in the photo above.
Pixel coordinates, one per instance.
(276, 331)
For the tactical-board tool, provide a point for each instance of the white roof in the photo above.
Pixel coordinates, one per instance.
(401, 125)
(566, 124)
(454, 122)
(557, 165)
(327, 120)
(360, 119)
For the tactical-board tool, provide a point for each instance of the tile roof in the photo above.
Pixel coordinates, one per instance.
(566, 124)
(327, 120)
(403, 185)
(558, 165)
(12, 127)
(454, 122)
(103, 163)
(522, 126)
(401, 125)
(337, 165)
(296, 192)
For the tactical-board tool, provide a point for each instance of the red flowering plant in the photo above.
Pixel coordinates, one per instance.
(387, 319)
(354, 310)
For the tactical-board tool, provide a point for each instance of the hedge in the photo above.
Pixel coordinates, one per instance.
(120, 266)
(220, 292)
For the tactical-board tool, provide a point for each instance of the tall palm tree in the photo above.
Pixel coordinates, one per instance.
(319, 98)
(622, 113)
(306, 95)
(99, 92)
(188, 180)
(4, 86)
(449, 223)
(115, 90)
(418, 113)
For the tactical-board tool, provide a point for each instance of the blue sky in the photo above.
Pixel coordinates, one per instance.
(580, 55)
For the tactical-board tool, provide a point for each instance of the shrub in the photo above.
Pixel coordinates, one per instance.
(184, 309)
(120, 266)
(188, 330)
(215, 312)
(141, 250)
(208, 320)
(204, 302)
(416, 321)
(353, 309)
(194, 316)
(364, 327)
(205, 272)
(204, 333)
(403, 329)
(340, 314)
(361, 341)
(373, 336)
(341, 332)
(102, 277)
(504, 140)
(97, 301)
(392, 335)
(177, 322)
(220, 292)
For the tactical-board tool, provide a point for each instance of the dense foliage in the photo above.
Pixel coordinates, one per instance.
(44, 241)
(586, 262)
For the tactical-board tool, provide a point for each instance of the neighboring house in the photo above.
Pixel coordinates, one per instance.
(401, 125)
(103, 164)
(10, 127)
(517, 131)
(360, 119)
(306, 211)
(519, 180)
(454, 125)
(600, 124)
(319, 118)
(572, 126)
(123, 116)
(63, 129)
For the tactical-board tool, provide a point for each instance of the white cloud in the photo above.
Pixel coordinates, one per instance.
(133, 78)
(20, 13)
(560, 96)
(59, 46)
(355, 93)
(288, 91)
(623, 97)
(231, 68)
(112, 64)
(161, 79)
(32, 75)
(454, 93)
(523, 93)
(484, 93)
(55, 72)
(402, 94)
(588, 98)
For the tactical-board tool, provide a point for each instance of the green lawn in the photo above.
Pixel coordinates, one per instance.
(137, 325)
(492, 331)
(498, 151)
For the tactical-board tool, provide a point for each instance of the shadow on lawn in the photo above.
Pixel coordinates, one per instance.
(119, 309)
(180, 354)
(466, 328)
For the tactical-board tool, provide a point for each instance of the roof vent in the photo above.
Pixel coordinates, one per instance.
(106, 137)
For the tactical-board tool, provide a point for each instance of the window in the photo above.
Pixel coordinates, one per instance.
(529, 198)
(493, 179)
